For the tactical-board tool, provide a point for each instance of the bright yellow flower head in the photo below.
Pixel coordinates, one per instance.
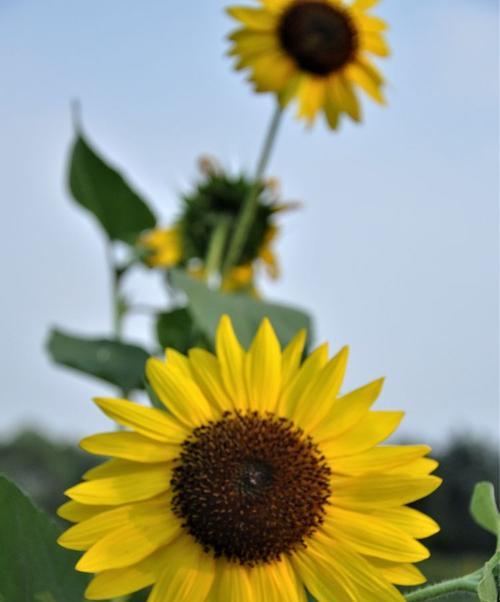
(314, 50)
(258, 481)
(164, 246)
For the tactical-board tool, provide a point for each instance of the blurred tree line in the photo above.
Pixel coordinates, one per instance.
(44, 468)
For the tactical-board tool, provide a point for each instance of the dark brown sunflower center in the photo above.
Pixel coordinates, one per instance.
(250, 488)
(320, 37)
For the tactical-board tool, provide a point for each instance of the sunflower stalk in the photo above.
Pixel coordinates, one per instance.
(119, 306)
(466, 584)
(216, 247)
(249, 206)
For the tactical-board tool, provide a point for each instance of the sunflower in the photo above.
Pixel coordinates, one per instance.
(314, 50)
(217, 197)
(256, 481)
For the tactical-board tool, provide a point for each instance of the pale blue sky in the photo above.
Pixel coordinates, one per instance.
(395, 251)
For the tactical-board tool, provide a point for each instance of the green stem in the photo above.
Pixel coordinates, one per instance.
(118, 307)
(249, 206)
(117, 310)
(453, 586)
(216, 249)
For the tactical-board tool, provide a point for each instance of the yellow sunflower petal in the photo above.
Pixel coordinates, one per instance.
(399, 574)
(372, 23)
(303, 381)
(368, 432)
(370, 584)
(421, 466)
(74, 512)
(412, 521)
(341, 93)
(180, 361)
(275, 5)
(372, 536)
(165, 246)
(313, 407)
(292, 357)
(207, 373)
(231, 356)
(232, 582)
(374, 43)
(252, 43)
(88, 532)
(253, 18)
(367, 77)
(143, 533)
(141, 483)
(271, 71)
(348, 410)
(332, 112)
(150, 422)
(120, 582)
(129, 446)
(263, 369)
(323, 581)
(379, 491)
(364, 5)
(381, 459)
(276, 582)
(311, 97)
(179, 394)
(270, 260)
(116, 467)
(187, 575)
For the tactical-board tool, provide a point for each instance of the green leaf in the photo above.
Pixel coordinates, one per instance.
(487, 589)
(103, 191)
(117, 363)
(176, 329)
(207, 306)
(33, 567)
(484, 508)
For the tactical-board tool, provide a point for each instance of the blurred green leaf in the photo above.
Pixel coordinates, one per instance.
(488, 586)
(117, 363)
(177, 330)
(103, 191)
(484, 508)
(207, 306)
(33, 568)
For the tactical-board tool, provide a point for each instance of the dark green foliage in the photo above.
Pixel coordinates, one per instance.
(221, 196)
(117, 363)
(33, 568)
(43, 468)
(177, 330)
(103, 191)
(462, 464)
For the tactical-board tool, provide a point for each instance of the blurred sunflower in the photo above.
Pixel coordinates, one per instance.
(217, 199)
(258, 481)
(313, 50)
